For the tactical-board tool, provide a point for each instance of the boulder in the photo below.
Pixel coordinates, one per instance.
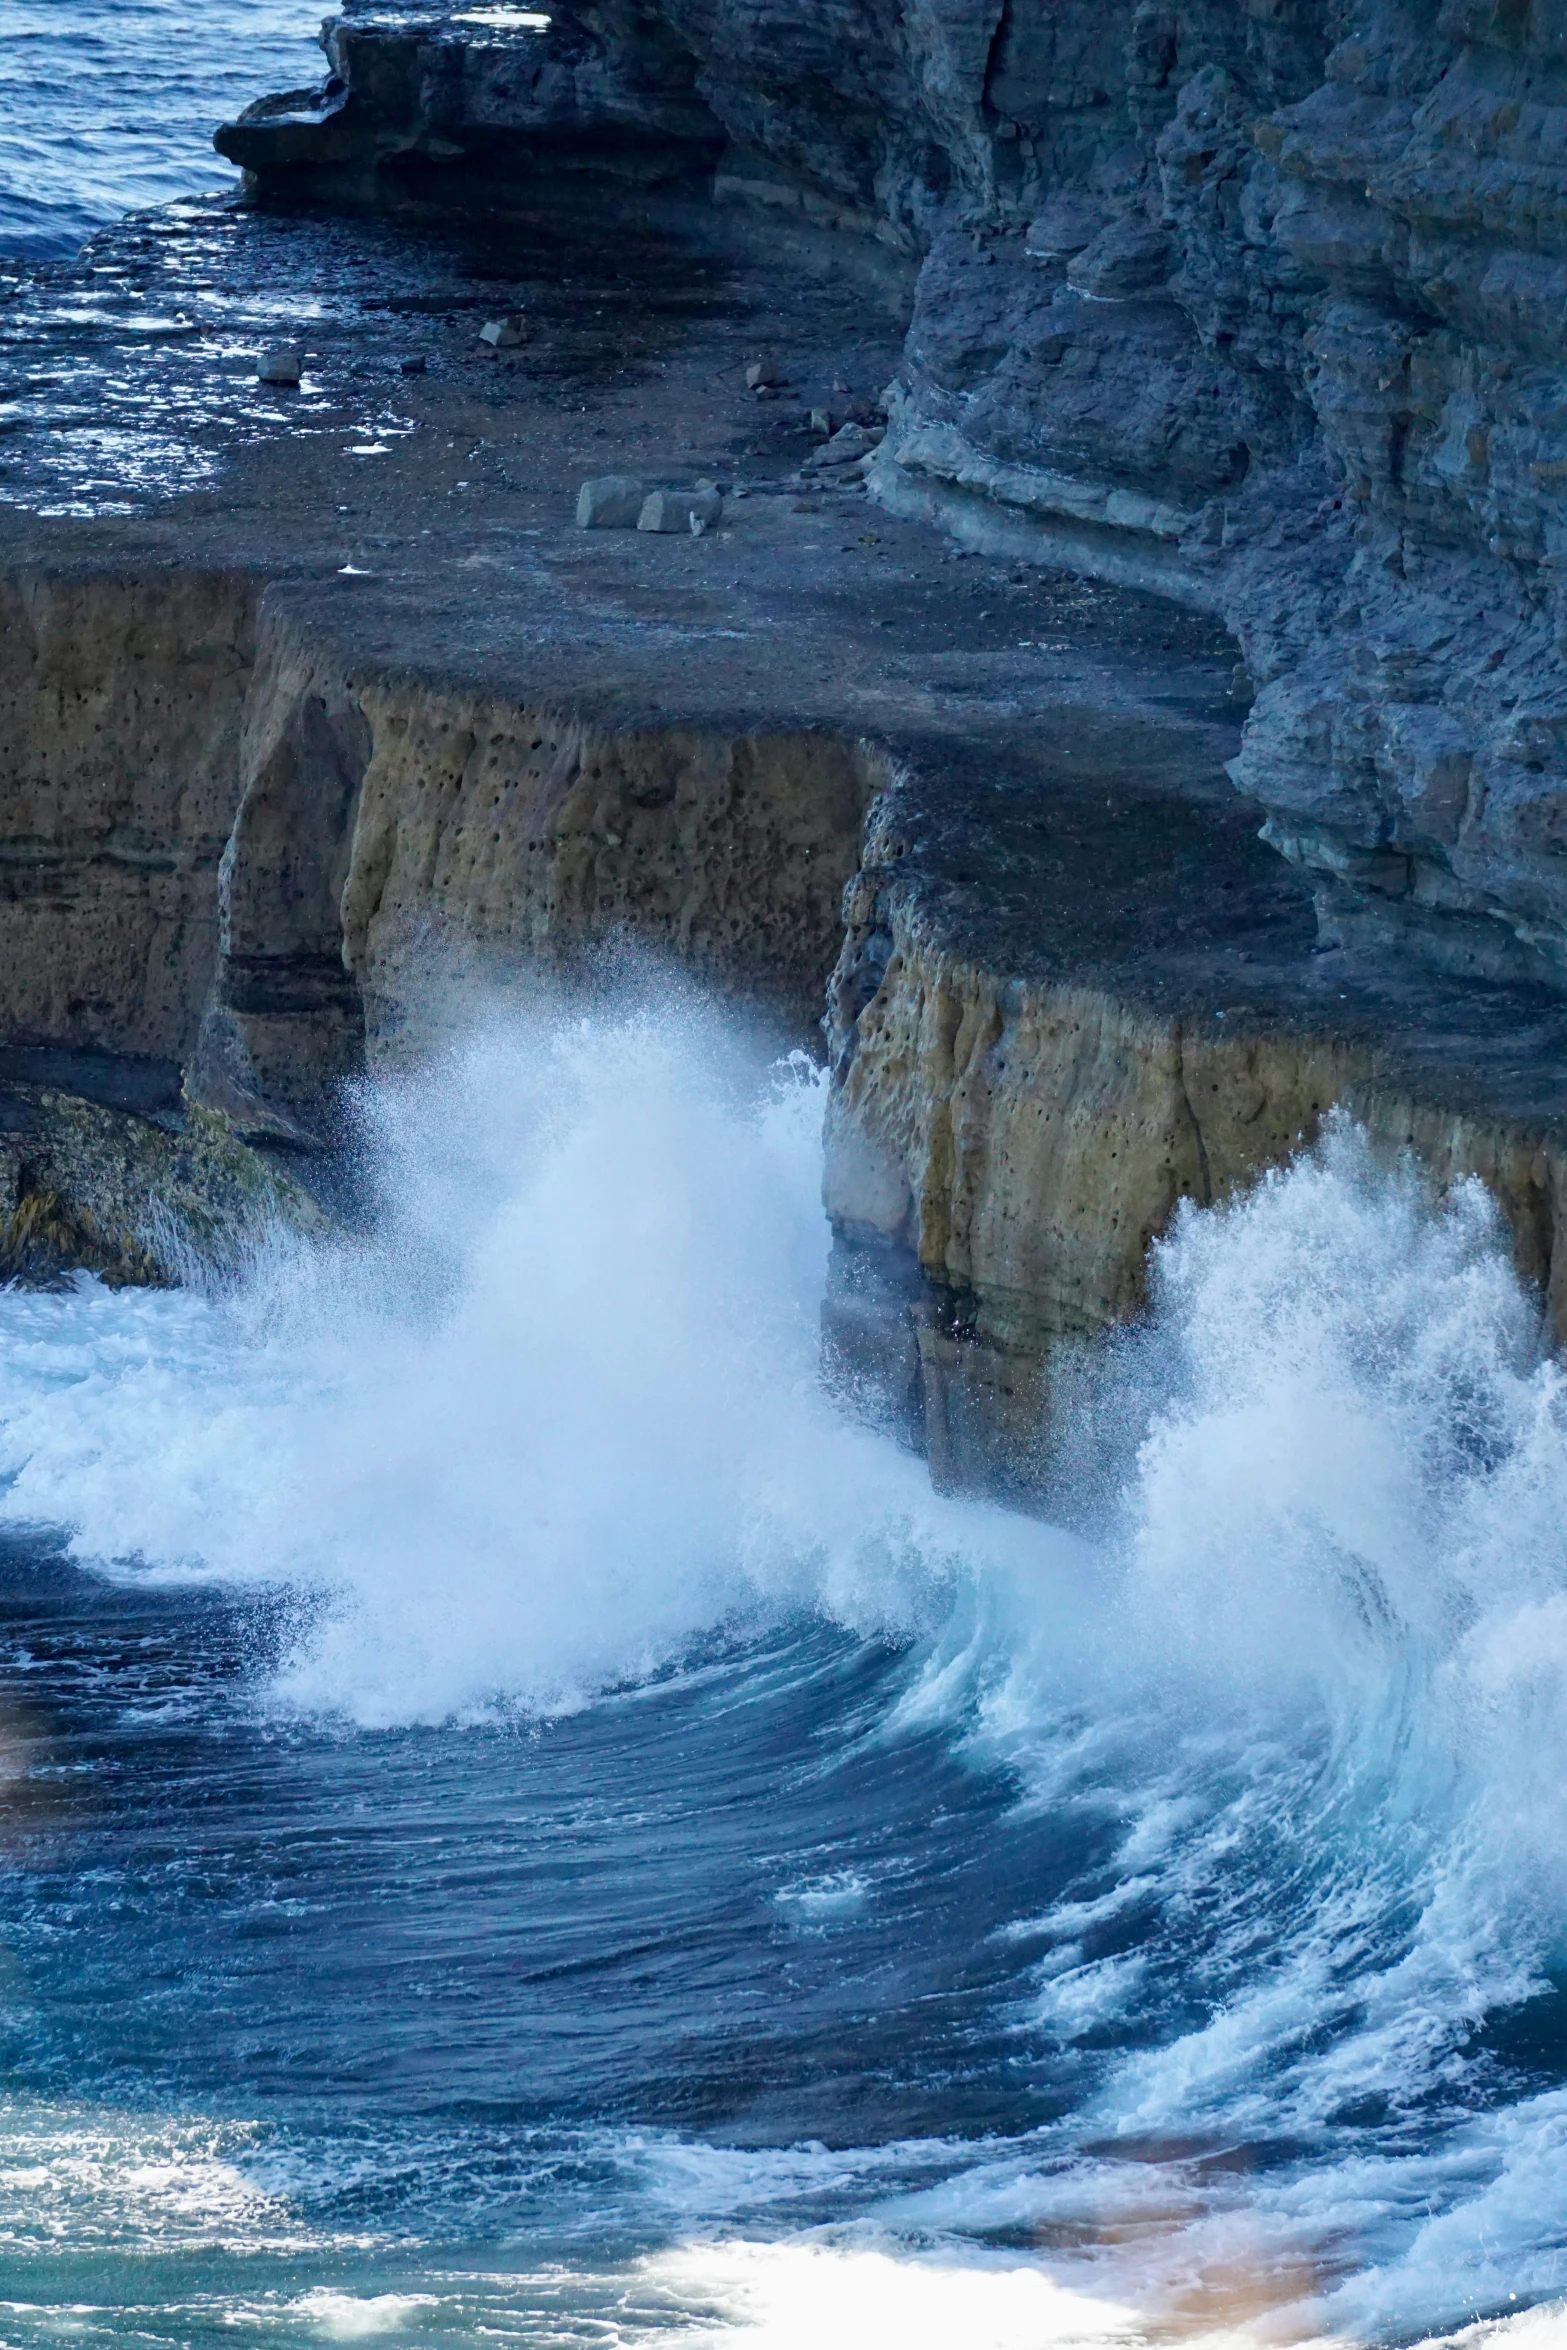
(282, 367)
(686, 511)
(613, 501)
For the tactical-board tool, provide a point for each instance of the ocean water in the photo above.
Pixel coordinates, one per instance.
(525, 1819)
(110, 105)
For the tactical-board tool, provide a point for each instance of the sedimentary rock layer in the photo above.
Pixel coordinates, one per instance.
(453, 732)
(391, 830)
(121, 696)
(1259, 305)
(1034, 1060)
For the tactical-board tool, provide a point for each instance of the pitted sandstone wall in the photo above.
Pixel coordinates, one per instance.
(394, 834)
(230, 847)
(121, 701)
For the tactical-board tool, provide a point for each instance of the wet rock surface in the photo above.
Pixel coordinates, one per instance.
(106, 1166)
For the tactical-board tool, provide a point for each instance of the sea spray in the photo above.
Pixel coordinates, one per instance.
(555, 1417)
(1296, 1706)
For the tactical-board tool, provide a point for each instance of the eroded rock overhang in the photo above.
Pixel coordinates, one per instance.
(236, 850)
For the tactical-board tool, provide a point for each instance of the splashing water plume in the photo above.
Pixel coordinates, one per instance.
(557, 1418)
(1291, 1710)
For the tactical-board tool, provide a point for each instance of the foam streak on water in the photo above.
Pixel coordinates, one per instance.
(591, 1798)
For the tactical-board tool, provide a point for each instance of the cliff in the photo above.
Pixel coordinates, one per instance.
(1260, 306)
(1015, 1119)
(394, 834)
(325, 712)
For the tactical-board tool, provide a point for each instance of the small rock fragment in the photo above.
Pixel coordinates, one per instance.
(823, 423)
(504, 334)
(847, 447)
(281, 366)
(763, 375)
(667, 510)
(414, 366)
(613, 501)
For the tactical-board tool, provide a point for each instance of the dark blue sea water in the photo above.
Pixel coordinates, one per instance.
(109, 105)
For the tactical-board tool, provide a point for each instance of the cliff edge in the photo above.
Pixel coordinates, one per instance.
(1260, 306)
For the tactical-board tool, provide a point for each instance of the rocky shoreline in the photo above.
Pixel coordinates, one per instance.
(321, 711)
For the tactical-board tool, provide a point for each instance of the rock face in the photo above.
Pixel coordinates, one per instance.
(1003, 1147)
(236, 850)
(1070, 987)
(432, 92)
(1259, 305)
(121, 699)
(388, 828)
(123, 1178)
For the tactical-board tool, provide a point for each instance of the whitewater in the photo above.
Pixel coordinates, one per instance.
(522, 1813)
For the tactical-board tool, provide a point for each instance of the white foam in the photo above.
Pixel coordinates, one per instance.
(559, 1417)
(360, 2317)
(832, 2297)
(104, 2181)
